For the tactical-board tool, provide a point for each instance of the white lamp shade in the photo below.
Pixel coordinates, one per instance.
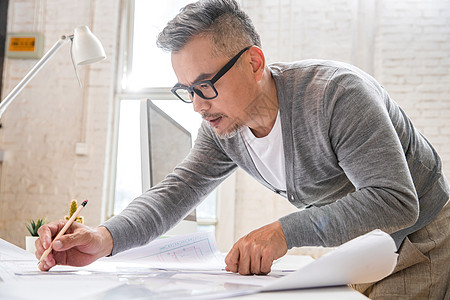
(86, 48)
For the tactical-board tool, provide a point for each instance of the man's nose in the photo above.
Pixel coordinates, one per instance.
(200, 104)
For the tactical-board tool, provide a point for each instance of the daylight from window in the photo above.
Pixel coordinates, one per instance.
(150, 67)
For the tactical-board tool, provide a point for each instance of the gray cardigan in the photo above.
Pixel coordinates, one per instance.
(354, 161)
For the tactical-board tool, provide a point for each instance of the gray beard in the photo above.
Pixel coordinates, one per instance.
(237, 128)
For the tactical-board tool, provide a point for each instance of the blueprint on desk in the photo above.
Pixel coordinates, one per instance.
(190, 267)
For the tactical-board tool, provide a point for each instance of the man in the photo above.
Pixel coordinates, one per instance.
(324, 134)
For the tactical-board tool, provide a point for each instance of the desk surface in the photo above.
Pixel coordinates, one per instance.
(129, 279)
(335, 293)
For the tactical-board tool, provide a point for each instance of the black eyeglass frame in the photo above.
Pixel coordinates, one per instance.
(191, 89)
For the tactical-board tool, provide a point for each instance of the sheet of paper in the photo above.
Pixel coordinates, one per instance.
(59, 289)
(368, 258)
(124, 281)
(290, 263)
(196, 251)
(9, 251)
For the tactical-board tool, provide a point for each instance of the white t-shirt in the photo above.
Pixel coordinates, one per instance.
(268, 154)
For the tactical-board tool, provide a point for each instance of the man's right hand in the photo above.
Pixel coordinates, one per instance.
(79, 246)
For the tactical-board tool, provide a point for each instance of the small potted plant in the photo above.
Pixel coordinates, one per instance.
(33, 227)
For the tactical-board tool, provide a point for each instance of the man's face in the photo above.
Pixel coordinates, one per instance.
(229, 111)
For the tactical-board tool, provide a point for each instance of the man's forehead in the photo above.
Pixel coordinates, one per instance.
(193, 64)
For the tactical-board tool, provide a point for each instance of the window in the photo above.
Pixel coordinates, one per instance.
(148, 74)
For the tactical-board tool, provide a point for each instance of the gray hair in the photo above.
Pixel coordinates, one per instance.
(229, 28)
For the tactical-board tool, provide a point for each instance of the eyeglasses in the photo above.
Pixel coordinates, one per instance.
(204, 88)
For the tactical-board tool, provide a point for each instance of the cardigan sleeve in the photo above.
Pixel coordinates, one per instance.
(164, 205)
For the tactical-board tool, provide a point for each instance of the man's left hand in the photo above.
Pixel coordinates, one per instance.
(255, 252)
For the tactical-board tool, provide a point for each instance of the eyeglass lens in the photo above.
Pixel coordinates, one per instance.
(203, 89)
(184, 94)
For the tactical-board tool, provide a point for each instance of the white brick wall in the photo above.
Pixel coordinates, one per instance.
(412, 60)
(405, 44)
(41, 172)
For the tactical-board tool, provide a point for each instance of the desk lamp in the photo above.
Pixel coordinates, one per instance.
(86, 49)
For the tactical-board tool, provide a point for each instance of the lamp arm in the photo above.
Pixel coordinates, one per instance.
(18, 88)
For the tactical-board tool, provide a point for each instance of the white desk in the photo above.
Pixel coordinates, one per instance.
(335, 293)
(28, 291)
(126, 277)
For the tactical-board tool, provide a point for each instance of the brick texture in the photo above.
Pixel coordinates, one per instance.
(405, 44)
(41, 172)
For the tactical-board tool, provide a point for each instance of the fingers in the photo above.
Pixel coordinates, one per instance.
(255, 262)
(232, 259)
(46, 234)
(255, 252)
(244, 264)
(266, 264)
(47, 264)
(243, 259)
(69, 241)
(79, 246)
(48, 231)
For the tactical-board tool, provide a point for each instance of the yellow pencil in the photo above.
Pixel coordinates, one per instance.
(63, 230)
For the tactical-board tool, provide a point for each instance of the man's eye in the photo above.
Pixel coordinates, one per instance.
(203, 86)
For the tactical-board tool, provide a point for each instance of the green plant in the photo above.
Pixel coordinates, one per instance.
(73, 208)
(33, 226)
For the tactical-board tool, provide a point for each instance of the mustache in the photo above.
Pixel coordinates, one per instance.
(212, 116)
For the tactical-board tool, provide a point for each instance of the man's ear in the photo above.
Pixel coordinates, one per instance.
(257, 61)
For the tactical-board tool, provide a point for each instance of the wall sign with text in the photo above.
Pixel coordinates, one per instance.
(24, 45)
